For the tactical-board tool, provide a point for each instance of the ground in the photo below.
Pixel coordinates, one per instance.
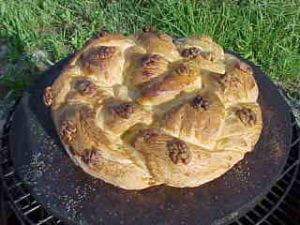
(35, 34)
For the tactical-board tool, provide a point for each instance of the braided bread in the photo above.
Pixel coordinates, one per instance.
(146, 110)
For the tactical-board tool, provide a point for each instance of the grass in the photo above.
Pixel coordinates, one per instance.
(265, 32)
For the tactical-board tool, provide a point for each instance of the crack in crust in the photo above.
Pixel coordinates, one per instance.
(247, 116)
(97, 59)
(152, 64)
(100, 53)
(194, 52)
(229, 80)
(148, 135)
(182, 69)
(200, 102)
(67, 131)
(86, 87)
(151, 60)
(48, 96)
(178, 151)
(123, 110)
(88, 156)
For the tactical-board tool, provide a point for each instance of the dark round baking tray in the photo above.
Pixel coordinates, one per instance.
(77, 198)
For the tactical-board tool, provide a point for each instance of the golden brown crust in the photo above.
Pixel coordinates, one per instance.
(48, 96)
(104, 63)
(120, 116)
(197, 166)
(144, 110)
(205, 45)
(197, 120)
(183, 77)
(160, 43)
(241, 128)
(146, 67)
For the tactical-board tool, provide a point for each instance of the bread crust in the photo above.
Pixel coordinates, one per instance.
(144, 110)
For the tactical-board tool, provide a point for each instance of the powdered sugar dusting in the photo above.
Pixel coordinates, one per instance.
(35, 169)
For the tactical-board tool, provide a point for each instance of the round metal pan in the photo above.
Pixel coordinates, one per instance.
(77, 198)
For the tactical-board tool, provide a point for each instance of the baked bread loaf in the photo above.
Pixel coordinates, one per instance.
(145, 110)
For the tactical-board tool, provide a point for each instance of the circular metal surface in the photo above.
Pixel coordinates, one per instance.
(70, 194)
